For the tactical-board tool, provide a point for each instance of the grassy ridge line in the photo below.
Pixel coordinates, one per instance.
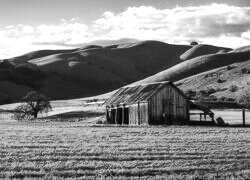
(197, 65)
(62, 151)
(202, 49)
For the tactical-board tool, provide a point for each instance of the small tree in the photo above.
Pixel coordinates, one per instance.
(193, 43)
(32, 104)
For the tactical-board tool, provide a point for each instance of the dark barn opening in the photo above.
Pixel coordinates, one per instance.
(118, 115)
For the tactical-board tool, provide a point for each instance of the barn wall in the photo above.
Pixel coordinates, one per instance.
(179, 107)
(133, 114)
(138, 113)
(143, 113)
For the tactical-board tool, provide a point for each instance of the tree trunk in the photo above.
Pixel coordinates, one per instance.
(35, 114)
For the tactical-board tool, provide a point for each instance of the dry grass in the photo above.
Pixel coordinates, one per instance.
(228, 83)
(69, 150)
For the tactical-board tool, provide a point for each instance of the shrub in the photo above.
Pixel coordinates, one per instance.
(244, 101)
(206, 76)
(211, 90)
(212, 98)
(221, 80)
(233, 88)
(222, 99)
(230, 67)
(245, 71)
(193, 43)
(190, 93)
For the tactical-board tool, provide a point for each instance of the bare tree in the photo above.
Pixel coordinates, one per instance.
(32, 104)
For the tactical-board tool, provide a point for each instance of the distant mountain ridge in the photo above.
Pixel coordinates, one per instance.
(96, 69)
(88, 70)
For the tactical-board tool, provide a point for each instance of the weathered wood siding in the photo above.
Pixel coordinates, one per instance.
(179, 114)
(138, 113)
(133, 114)
(143, 113)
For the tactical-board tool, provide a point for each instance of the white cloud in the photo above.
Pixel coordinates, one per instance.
(19, 39)
(180, 24)
(217, 24)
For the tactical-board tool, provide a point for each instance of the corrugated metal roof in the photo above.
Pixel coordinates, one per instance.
(134, 94)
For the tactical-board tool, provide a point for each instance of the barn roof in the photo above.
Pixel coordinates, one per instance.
(135, 93)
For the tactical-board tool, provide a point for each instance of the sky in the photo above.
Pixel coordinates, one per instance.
(28, 25)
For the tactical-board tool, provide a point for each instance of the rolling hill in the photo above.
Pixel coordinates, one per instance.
(198, 65)
(86, 71)
(95, 69)
(227, 83)
(203, 49)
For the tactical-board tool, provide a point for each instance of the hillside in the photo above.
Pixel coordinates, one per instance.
(94, 69)
(198, 65)
(227, 83)
(86, 71)
(203, 49)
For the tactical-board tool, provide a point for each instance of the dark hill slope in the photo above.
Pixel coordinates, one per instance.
(197, 65)
(91, 70)
(129, 62)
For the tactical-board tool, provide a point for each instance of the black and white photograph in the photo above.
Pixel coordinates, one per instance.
(125, 89)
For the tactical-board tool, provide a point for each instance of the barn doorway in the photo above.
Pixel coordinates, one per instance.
(121, 116)
(168, 111)
(126, 116)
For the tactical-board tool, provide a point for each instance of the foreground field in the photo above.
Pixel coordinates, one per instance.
(71, 150)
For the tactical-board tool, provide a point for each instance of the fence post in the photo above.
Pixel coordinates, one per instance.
(243, 117)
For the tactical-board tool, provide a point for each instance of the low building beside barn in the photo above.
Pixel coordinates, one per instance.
(148, 104)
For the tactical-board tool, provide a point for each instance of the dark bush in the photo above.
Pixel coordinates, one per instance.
(222, 99)
(190, 93)
(245, 71)
(244, 101)
(212, 98)
(233, 88)
(207, 75)
(211, 90)
(230, 67)
(193, 43)
(221, 80)
(207, 91)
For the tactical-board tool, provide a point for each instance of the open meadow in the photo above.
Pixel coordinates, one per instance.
(74, 150)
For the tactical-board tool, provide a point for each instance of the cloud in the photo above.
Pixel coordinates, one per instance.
(180, 24)
(217, 24)
(19, 39)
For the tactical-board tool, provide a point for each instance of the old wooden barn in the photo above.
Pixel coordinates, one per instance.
(148, 104)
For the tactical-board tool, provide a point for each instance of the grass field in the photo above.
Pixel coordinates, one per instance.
(73, 150)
